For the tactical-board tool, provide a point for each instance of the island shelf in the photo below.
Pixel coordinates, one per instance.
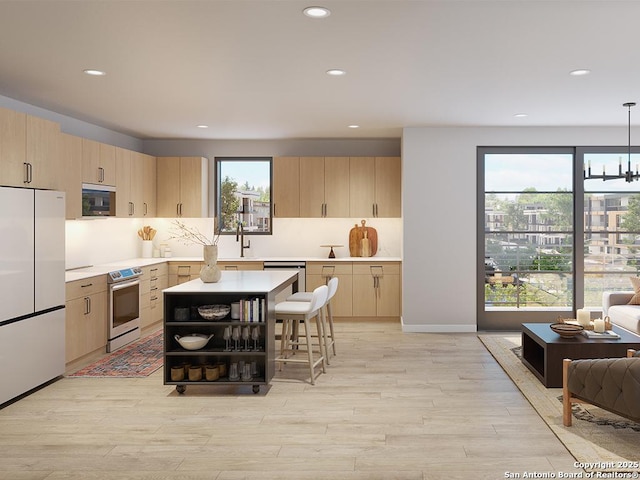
(243, 350)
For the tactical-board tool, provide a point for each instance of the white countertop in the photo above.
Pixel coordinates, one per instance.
(243, 281)
(96, 270)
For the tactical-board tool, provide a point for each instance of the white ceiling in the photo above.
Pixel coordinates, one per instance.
(256, 69)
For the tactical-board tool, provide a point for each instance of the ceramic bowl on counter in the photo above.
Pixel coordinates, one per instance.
(214, 312)
(193, 341)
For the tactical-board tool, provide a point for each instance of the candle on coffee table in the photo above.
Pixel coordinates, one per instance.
(598, 325)
(583, 317)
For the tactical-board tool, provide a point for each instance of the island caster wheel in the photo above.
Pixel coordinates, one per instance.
(256, 388)
(181, 388)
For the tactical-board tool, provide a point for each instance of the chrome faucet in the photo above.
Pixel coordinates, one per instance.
(240, 237)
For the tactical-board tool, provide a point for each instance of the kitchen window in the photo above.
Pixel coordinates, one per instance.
(243, 194)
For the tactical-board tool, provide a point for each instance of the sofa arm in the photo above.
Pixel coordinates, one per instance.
(614, 298)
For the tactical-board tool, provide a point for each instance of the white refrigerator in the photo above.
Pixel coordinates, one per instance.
(32, 288)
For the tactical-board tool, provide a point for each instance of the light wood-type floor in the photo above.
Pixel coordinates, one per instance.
(391, 406)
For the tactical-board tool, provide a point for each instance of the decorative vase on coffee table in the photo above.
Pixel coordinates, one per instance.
(210, 273)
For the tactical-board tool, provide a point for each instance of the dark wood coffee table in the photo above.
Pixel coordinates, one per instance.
(543, 350)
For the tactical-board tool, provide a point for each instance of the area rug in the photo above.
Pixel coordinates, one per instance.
(138, 359)
(596, 436)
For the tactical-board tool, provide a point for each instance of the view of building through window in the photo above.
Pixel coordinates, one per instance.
(243, 187)
(528, 225)
(538, 253)
(611, 229)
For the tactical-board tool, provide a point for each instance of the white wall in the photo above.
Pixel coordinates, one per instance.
(108, 240)
(439, 211)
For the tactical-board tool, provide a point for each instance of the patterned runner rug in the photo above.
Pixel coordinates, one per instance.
(596, 435)
(138, 359)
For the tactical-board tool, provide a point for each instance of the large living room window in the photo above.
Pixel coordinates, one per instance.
(550, 241)
(526, 236)
(611, 226)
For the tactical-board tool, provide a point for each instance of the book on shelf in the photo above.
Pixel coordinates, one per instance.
(607, 334)
(252, 310)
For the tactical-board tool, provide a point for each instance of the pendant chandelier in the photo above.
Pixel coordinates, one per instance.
(629, 175)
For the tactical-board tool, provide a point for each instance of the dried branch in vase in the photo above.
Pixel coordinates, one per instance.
(190, 235)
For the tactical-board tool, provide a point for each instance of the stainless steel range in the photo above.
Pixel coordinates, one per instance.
(124, 307)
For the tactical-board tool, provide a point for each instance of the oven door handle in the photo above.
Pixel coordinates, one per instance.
(120, 286)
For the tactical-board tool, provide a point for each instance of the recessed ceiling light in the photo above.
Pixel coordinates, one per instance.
(521, 115)
(316, 12)
(580, 72)
(354, 126)
(202, 126)
(94, 72)
(336, 72)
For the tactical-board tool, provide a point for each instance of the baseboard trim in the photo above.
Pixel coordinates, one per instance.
(449, 328)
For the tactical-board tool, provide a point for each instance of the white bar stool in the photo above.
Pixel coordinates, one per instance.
(329, 337)
(294, 313)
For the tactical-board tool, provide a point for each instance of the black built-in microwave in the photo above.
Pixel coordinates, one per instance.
(98, 200)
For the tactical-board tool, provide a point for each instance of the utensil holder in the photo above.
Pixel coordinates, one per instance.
(147, 248)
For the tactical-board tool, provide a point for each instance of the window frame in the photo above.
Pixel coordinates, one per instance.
(218, 163)
(510, 319)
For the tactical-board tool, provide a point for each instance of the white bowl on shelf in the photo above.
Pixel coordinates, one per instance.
(193, 341)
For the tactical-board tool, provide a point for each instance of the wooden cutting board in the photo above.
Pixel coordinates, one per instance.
(359, 236)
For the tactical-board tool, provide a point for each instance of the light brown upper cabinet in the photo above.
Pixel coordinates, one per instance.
(98, 162)
(124, 206)
(71, 152)
(130, 172)
(148, 184)
(29, 151)
(45, 168)
(286, 187)
(182, 187)
(324, 187)
(13, 148)
(375, 186)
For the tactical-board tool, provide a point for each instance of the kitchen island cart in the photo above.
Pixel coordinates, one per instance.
(243, 347)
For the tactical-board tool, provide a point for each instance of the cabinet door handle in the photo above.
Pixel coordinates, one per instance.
(28, 172)
(100, 174)
(87, 305)
(86, 285)
(146, 210)
(274, 210)
(376, 209)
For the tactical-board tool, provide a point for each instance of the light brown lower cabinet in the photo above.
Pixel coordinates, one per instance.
(319, 273)
(86, 317)
(365, 289)
(153, 280)
(249, 265)
(181, 272)
(376, 289)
